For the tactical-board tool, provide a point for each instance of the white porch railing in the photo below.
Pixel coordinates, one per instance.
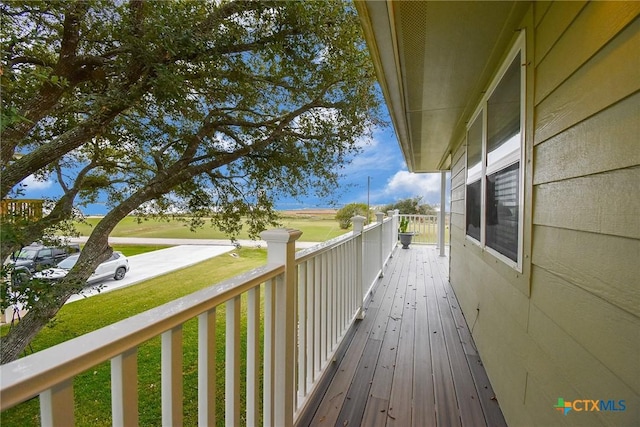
(309, 301)
(424, 227)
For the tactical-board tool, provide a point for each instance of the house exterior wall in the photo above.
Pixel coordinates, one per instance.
(568, 325)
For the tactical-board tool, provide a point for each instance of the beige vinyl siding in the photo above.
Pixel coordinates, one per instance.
(571, 34)
(552, 19)
(569, 325)
(579, 148)
(585, 300)
(591, 87)
(458, 176)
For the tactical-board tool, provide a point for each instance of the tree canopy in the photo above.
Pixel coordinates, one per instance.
(412, 205)
(350, 210)
(210, 108)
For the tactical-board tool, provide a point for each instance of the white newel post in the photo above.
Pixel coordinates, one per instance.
(281, 250)
(380, 220)
(396, 222)
(443, 208)
(358, 226)
(393, 234)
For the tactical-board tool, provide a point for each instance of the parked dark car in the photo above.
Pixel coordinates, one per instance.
(36, 257)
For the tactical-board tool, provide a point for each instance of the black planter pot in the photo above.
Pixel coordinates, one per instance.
(405, 239)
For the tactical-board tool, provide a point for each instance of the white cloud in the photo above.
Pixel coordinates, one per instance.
(406, 184)
(33, 183)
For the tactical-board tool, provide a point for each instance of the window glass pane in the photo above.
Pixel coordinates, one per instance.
(503, 115)
(474, 196)
(502, 211)
(474, 149)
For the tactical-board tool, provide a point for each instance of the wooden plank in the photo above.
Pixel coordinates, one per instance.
(594, 26)
(447, 413)
(329, 404)
(490, 408)
(386, 303)
(424, 408)
(467, 396)
(605, 79)
(377, 311)
(492, 413)
(381, 383)
(605, 203)
(356, 397)
(416, 404)
(376, 413)
(606, 141)
(401, 400)
(335, 395)
(466, 340)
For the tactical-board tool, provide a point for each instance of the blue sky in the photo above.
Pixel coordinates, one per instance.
(381, 160)
(390, 180)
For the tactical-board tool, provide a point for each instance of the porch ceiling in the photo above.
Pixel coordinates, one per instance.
(433, 60)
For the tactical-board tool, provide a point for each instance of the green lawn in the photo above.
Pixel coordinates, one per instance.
(314, 228)
(92, 393)
(131, 250)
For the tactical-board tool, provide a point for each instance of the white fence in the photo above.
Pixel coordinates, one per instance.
(424, 227)
(298, 309)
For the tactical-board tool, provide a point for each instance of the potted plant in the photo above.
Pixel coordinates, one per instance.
(405, 237)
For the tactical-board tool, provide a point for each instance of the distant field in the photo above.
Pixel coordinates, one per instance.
(316, 226)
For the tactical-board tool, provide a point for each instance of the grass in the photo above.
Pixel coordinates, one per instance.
(131, 250)
(91, 389)
(315, 228)
(92, 393)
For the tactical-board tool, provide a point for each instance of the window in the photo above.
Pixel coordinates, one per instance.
(45, 253)
(474, 175)
(494, 159)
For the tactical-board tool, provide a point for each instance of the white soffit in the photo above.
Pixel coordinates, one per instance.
(433, 60)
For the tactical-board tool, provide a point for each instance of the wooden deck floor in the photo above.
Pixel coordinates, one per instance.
(411, 361)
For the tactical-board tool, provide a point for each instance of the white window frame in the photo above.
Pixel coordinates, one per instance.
(507, 159)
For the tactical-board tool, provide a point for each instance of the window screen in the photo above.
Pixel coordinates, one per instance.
(495, 138)
(474, 200)
(502, 211)
(474, 181)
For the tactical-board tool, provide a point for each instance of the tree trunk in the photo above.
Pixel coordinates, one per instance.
(95, 251)
(15, 342)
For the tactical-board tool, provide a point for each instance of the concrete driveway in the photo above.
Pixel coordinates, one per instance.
(152, 264)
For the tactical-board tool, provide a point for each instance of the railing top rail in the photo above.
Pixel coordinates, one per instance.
(31, 375)
(327, 245)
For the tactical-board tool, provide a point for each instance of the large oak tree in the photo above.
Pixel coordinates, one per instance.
(214, 108)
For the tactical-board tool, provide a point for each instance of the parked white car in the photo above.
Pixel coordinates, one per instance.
(116, 266)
